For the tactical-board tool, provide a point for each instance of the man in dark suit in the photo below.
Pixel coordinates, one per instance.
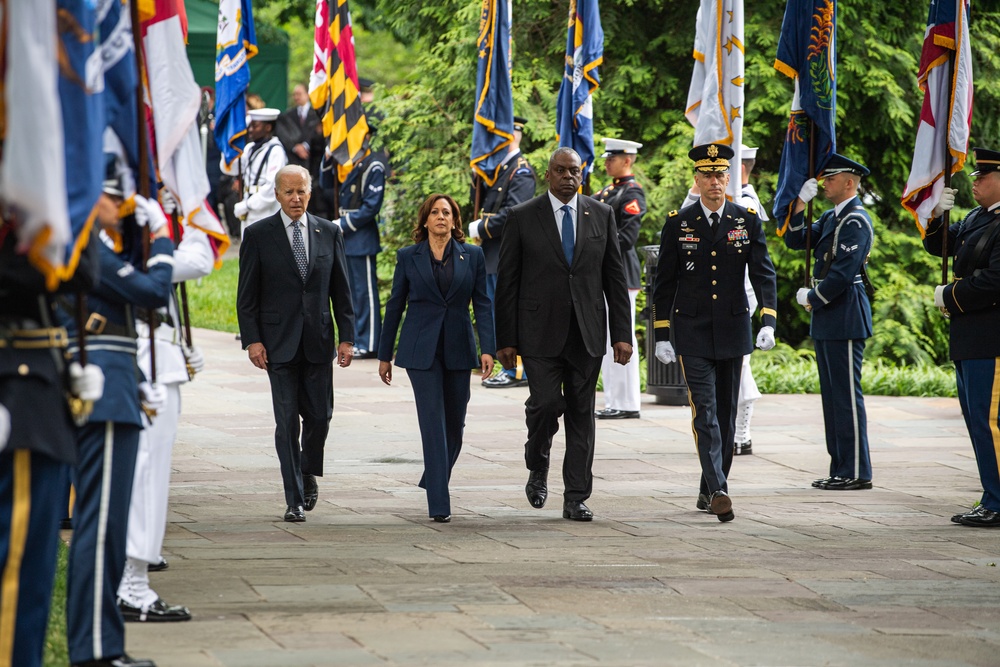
(292, 268)
(559, 262)
(705, 252)
(300, 131)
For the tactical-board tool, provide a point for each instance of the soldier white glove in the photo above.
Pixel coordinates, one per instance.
(86, 382)
(946, 203)
(168, 202)
(4, 427)
(195, 359)
(809, 190)
(240, 209)
(149, 214)
(336, 221)
(802, 297)
(153, 396)
(665, 352)
(474, 228)
(765, 338)
(939, 296)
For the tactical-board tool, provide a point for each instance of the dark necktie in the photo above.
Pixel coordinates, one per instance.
(715, 220)
(568, 238)
(299, 249)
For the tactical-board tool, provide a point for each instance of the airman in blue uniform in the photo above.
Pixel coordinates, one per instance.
(971, 301)
(841, 316)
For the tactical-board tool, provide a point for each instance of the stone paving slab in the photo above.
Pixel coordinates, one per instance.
(802, 577)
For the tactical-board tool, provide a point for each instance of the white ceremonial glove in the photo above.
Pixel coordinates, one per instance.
(765, 338)
(802, 297)
(4, 427)
(153, 396)
(195, 359)
(86, 382)
(665, 352)
(939, 296)
(474, 228)
(240, 209)
(809, 190)
(946, 203)
(168, 202)
(149, 214)
(336, 221)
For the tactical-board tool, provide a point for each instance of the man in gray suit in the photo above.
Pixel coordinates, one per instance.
(292, 268)
(559, 262)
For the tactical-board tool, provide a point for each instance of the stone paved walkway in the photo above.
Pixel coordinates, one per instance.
(801, 577)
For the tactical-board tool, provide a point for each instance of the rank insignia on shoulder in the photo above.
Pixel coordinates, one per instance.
(672, 213)
(750, 209)
(632, 208)
(522, 170)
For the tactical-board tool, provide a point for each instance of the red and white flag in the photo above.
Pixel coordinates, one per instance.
(945, 76)
(175, 99)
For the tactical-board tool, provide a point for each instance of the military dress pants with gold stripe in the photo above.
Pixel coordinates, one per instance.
(29, 535)
(713, 389)
(979, 395)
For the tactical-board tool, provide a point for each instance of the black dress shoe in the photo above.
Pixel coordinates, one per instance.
(721, 505)
(820, 483)
(158, 612)
(504, 381)
(295, 514)
(575, 510)
(978, 509)
(846, 484)
(703, 503)
(121, 661)
(158, 567)
(310, 492)
(743, 448)
(611, 413)
(537, 488)
(982, 519)
(442, 518)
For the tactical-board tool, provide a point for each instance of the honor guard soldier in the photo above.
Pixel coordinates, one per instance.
(37, 440)
(706, 250)
(515, 184)
(261, 159)
(361, 196)
(627, 199)
(970, 301)
(841, 316)
(109, 439)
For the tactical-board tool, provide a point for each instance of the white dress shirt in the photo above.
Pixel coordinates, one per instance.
(556, 205)
(287, 221)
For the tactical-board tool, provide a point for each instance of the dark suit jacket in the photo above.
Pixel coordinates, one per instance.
(699, 290)
(274, 306)
(537, 291)
(292, 132)
(431, 315)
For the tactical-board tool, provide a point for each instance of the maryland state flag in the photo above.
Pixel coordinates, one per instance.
(333, 86)
(235, 45)
(493, 128)
(806, 54)
(945, 76)
(584, 52)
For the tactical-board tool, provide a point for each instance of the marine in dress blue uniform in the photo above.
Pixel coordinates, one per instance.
(108, 442)
(698, 299)
(36, 453)
(361, 197)
(841, 317)
(514, 185)
(971, 300)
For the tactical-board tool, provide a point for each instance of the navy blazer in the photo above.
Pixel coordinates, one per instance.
(273, 305)
(431, 315)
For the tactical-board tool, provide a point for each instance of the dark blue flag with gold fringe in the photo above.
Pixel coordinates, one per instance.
(807, 54)
(493, 127)
(584, 53)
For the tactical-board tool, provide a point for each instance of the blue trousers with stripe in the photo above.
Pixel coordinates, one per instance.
(979, 395)
(844, 415)
(367, 307)
(29, 537)
(95, 628)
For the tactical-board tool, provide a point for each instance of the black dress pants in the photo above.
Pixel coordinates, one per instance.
(713, 390)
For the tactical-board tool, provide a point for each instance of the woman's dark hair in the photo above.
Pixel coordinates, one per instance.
(420, 231)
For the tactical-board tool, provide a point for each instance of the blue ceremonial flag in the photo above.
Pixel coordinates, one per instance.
(83, 121)
(118, 86)
(807, 54)
(584, 52)
(493, 128)
(236, 43)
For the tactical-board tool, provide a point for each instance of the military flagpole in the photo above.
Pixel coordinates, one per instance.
(946, 216)
(809, 205)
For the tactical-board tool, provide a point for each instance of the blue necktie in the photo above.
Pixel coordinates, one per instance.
(568, 239)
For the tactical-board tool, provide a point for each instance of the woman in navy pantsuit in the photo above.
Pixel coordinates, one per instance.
(435, 280)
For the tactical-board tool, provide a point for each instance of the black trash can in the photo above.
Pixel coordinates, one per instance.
(664, 381)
